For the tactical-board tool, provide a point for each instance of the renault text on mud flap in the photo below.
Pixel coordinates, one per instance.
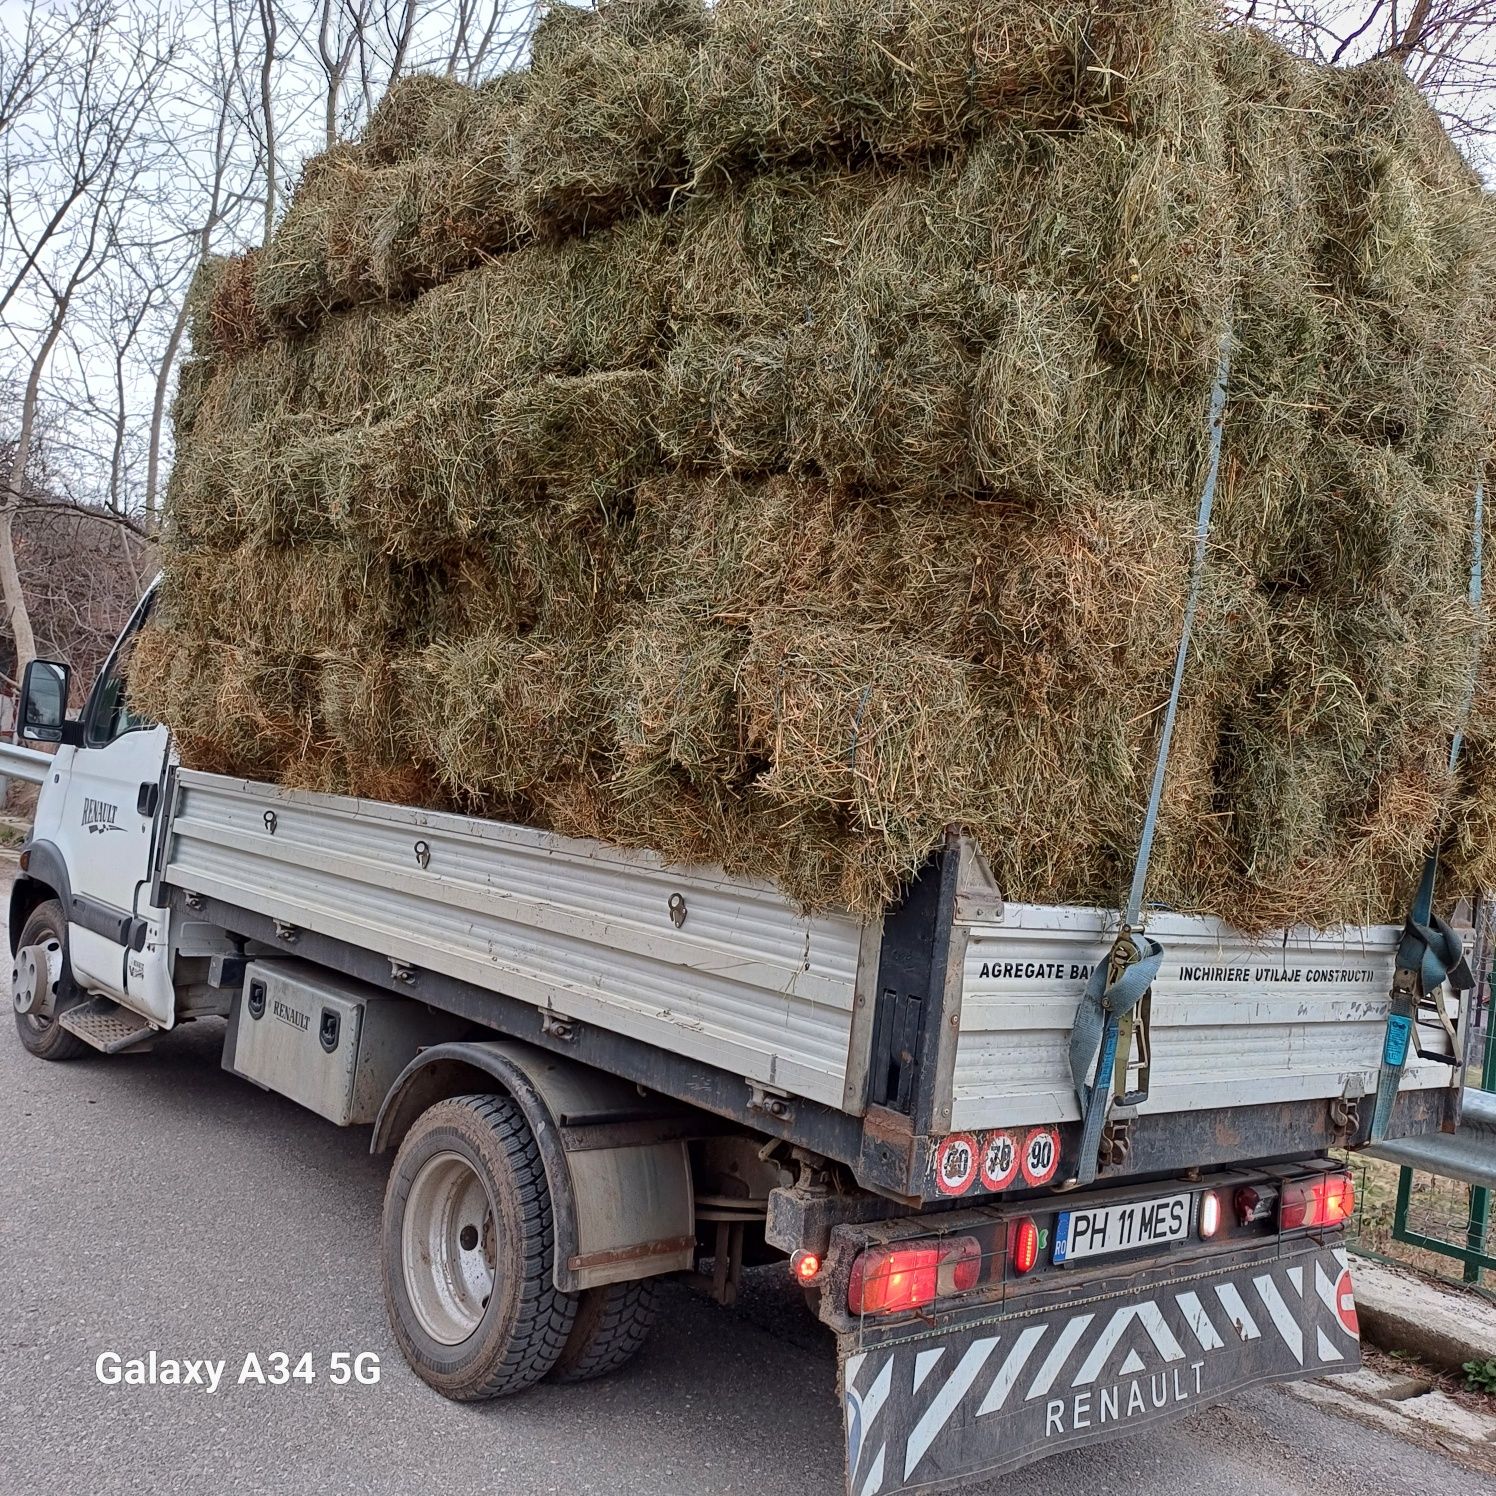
(927, 1411)
(100, 815)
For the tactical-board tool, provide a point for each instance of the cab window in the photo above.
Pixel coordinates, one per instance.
(109, 714)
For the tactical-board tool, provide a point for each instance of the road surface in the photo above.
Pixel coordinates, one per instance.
(155, 1203)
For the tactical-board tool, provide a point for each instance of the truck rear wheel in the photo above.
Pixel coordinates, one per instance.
(45, 1037)
(610, 1329)
(468, 1241)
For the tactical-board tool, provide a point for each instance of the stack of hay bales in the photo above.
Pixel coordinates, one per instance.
(772, 433)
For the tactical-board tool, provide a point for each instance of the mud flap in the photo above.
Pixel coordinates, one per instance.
(930, 1410)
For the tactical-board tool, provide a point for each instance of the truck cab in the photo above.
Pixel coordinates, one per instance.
(91, 843)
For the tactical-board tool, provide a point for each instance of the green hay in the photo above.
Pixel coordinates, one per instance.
(601, 132)
(842, 488)
(425, 114)
(672, 692)
(782, 80)
(593, 304)
(315, 260)
(503, 715)
(879, 731)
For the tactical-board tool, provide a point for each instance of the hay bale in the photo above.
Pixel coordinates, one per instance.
(231, 712)
(225, 317)
(780, 80)
(583, 443)
(671, 687)
(424, 114)
(314, 261)
(194, 377)
(843, 486)
(1031, 399)
(725, 399)
(415, 486)
(886, 735)
(504, 714)
(600, 134)
(589, 305)
(306, 600)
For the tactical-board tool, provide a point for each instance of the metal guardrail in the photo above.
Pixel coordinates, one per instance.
(1468, 1155)
(24, 763)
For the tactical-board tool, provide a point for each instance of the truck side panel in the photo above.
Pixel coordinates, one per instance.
(719, 970)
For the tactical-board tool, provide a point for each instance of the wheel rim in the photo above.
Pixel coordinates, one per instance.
(449, 1248)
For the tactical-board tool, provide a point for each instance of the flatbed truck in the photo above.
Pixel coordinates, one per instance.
(592, 1070)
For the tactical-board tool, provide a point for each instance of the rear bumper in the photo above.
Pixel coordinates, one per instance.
(928, 1410)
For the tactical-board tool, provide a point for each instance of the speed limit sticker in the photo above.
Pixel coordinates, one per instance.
(999, 1161)
(1040, 1156)
(956, 1164)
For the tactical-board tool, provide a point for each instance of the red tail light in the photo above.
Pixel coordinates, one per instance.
(1023, 1245)
(805, 1265)
(891, 1280)
(1326, 1200)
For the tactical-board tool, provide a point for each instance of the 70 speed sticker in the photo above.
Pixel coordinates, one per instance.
(996, 1160)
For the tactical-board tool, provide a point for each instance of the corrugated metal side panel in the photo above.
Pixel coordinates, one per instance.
(747, 983)
(1235, 1022)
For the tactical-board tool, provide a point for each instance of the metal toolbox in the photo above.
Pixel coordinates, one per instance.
(332, 1045)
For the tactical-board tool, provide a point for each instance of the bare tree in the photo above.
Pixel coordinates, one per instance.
(213, 200)
(90, 134)
(338, 30)
(1448, 47)
(270, 33)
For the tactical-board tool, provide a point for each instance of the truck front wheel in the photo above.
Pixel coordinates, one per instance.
(45, 1037)
(468, 1241)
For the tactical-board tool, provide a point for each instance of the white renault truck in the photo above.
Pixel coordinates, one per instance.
(592, 1070)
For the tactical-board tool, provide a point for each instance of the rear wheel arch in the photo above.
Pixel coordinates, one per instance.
(592, 1198)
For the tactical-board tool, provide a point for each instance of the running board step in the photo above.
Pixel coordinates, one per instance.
(106, 1025)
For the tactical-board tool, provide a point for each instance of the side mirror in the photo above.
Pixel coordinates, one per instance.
(44, 703)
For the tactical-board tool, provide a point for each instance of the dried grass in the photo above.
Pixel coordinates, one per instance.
(771, 434)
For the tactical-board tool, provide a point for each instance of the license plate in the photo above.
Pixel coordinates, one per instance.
(929, 1411)
(1120, 1228)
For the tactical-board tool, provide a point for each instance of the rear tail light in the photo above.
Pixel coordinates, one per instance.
(1255, 1203)
(1023, 1245)
(805, 1265)
(1326, 1200)
(894, 1279)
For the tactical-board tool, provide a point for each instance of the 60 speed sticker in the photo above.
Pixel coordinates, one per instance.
(956, 1164)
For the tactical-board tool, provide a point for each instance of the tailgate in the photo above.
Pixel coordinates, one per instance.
(1296, 1016)
(926, 1410)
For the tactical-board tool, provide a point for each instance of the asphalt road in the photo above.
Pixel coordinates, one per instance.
(153, 1202)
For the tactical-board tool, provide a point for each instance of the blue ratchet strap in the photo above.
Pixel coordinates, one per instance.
(1121, 981)
(1429, 953)
(1094, 1037)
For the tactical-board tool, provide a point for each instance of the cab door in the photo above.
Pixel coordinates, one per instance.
(107, 826)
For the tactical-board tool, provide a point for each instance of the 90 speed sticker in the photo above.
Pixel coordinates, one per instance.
(1041, 1156)
(994, 1161)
